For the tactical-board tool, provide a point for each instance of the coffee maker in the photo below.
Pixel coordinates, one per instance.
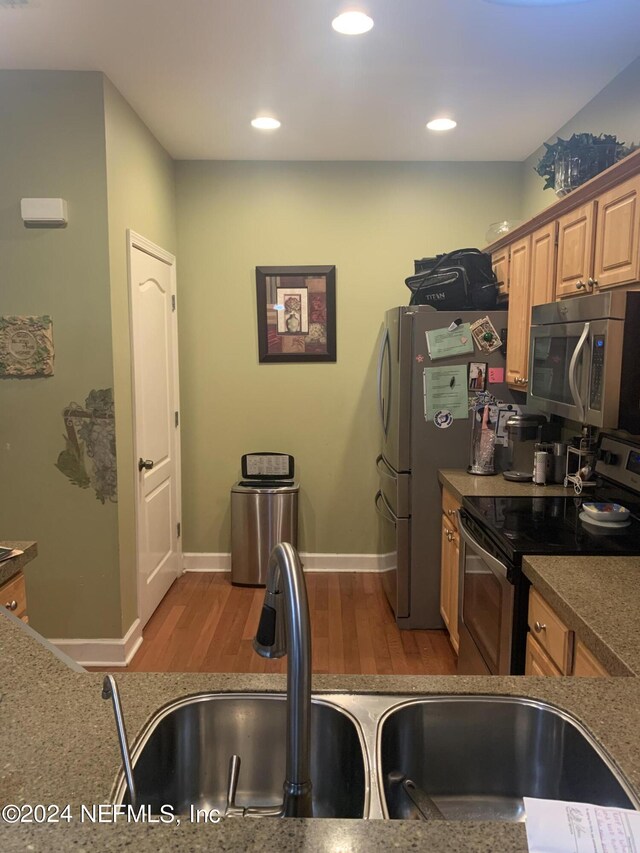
(523, 433)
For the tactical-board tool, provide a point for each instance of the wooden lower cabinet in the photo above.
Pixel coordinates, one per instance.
(585, 664)
(450, 567)
(537, 662)
(13, 596)
(550, 645)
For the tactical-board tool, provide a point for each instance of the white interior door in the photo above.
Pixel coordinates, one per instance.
(157, 431)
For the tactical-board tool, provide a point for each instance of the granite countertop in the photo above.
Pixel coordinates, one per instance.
(59, 746)
(11, 567)
(597, 597)
(460, 483)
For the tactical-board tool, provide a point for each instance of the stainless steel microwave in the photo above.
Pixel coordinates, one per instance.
(584, 360)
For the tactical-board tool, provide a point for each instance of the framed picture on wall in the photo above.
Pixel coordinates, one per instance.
(296, 314)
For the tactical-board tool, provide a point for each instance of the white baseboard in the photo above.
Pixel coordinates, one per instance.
(206, 562)
(312, 562)
(108, 652)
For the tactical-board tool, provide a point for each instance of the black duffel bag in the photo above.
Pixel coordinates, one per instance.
(461, 280)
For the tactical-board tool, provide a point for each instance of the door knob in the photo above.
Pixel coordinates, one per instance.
(145, 464)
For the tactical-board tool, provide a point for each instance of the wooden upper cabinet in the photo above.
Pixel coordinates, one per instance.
(617, 252)
(575, 250)
(543, 264)
(500, 265)
(519, 319)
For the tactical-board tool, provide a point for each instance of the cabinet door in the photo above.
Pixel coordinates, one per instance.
(543, 264)
(454, 586)
(13, 596)
(449, 506)
(617, 257)
(500, 265)
(445, 573)
(519, 311)
(585, 664)
(551, 634)
(575, 250)
(537, 662)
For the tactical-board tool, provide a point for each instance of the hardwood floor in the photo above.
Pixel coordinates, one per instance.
(204, 624)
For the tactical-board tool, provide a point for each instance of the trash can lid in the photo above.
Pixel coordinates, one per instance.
(265, 486)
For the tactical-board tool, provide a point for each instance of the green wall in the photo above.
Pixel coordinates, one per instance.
(616, 109)
(73, 135)
(141, 197)
(370, 220)
(52, 144)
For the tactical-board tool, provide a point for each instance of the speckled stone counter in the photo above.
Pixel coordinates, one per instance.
(459, 483)
(11, 567)
(597, 597)
(59, 746)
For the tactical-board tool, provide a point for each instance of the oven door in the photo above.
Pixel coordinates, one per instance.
(396, 541)
(486, 610)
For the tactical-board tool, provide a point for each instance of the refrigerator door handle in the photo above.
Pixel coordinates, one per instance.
(387, 512)
(384, 470)
(384, 346)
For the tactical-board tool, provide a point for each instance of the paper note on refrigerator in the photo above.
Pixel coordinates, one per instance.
(445, 343)
(445, 390)
(555, 826)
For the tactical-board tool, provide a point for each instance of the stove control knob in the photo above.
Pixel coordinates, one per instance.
(608, 457)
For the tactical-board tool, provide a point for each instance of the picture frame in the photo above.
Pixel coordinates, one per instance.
(296, 311)
(477, 375)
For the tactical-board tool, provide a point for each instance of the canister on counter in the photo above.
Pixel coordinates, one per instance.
(541, 460)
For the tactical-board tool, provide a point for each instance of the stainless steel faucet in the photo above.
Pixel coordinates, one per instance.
(286, 601)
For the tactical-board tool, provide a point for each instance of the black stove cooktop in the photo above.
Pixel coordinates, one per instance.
(550, 525)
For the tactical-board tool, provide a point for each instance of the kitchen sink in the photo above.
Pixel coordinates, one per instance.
(476, 758)
(375, 756)
(182, 757)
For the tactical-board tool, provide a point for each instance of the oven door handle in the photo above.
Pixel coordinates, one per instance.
(494, 564)
(573, 369)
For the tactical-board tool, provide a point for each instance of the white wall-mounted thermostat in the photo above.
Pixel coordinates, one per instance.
(44, 212)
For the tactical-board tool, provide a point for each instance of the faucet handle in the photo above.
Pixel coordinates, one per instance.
(269, 641)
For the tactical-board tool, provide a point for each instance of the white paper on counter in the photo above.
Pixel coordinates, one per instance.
(555, 826)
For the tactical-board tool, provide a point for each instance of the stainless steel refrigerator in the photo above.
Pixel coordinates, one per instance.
(408, 500)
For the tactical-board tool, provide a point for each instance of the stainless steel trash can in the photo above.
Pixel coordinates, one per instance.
(262, 514)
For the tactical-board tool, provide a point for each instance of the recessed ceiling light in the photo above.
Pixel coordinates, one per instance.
(352, 23)
(441, 124)
(265, 123)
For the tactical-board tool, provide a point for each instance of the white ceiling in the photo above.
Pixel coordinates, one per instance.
(198, 71)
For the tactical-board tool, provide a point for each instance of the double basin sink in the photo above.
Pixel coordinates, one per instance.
(453, 757)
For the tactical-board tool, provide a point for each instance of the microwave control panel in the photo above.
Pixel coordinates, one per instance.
(597, 372)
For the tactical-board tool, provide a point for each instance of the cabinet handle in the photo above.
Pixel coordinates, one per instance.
(580, 285)
(12, 605)
(539, 627)
(593, 283)
(449, 512)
